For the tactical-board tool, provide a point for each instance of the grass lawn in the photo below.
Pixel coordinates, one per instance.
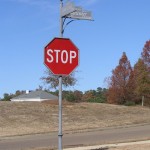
(20, 118)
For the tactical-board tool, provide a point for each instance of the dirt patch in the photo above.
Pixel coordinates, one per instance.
(19, 118)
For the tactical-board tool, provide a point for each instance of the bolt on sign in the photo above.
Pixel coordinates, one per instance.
(61, 56)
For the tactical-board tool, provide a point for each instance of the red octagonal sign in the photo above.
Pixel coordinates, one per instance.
(61, 56)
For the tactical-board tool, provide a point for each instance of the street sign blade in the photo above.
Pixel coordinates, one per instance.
(67, 9)
(81, 15)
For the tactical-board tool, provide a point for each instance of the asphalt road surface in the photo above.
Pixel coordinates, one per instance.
(103, 136)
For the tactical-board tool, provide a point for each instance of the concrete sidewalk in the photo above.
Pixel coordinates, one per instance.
(110, 145)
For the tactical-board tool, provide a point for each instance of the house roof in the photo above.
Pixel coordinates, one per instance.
(37, 94)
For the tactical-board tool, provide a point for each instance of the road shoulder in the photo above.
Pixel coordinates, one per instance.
(108, 146)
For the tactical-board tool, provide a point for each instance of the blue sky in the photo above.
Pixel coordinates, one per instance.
(26, 26)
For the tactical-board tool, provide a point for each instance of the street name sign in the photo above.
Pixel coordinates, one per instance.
(75, 12)
(81, 15)
(61, 56)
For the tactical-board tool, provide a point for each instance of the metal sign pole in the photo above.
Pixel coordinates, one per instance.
(60, 115)
(60, 87)
(68, 11)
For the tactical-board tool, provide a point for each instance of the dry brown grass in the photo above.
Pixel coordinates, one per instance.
(19, 118)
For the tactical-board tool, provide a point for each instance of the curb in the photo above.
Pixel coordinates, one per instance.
(109, 145)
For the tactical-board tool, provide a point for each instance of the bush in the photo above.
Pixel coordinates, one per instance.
(70, 97)
(129, 103)
(97, 100)
(147, 101)
(73, 96)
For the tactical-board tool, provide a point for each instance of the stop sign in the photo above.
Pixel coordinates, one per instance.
(61, 56)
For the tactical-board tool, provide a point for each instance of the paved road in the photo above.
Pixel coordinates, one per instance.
(105, 136)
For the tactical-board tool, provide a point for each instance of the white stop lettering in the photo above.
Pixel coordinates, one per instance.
(64, 55)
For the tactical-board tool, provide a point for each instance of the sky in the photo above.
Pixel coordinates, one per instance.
(27, 26)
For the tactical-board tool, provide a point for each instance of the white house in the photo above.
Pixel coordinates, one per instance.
(35, 96)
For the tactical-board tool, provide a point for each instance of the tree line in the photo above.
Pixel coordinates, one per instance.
(97, 96)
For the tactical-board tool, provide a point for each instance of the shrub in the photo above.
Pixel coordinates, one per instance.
(129, 103)
(97, 100)
(70, 97)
